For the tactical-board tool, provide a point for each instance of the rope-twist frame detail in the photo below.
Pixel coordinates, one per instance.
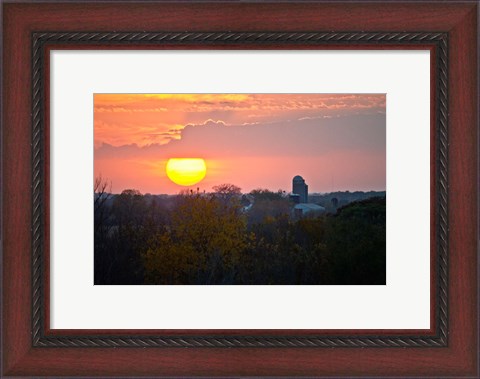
(315, 39)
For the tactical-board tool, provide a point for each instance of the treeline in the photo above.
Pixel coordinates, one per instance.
(333, 200)
(225, 237)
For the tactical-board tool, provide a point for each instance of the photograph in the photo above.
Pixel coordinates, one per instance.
(240, 155)
(239, 188)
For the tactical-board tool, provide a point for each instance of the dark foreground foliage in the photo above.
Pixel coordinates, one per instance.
(227, 238)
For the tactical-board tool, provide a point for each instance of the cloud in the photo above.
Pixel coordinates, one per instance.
(306, 137)
(208, 123)
(140, 118)
(133, 103)
(116, 109)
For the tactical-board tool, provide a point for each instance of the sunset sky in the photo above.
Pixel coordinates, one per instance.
(336, 142)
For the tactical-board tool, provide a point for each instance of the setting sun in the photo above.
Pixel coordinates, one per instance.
(186, 171)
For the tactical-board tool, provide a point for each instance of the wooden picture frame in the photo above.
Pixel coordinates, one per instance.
(447, 29)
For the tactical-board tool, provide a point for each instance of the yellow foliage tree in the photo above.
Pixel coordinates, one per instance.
(202, 245)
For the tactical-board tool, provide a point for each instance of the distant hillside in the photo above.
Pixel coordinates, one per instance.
(342, 198)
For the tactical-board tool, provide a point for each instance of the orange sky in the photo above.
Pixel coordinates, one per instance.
(336, 142)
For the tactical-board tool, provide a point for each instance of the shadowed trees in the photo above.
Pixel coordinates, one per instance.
(356, 238)
(267, 205)
(122, 224)
(202, 245)
(210, 238)
(102, 227)
(227, 193)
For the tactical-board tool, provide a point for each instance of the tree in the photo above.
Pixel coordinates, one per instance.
(129, 208)
(202, 245)
(265, 194)
(228, 194)
(268, 204)
(130, 212)
(101, 195)
(102, 228)
(356, 239)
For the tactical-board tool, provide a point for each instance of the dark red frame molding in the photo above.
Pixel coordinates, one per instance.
(25, 356)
